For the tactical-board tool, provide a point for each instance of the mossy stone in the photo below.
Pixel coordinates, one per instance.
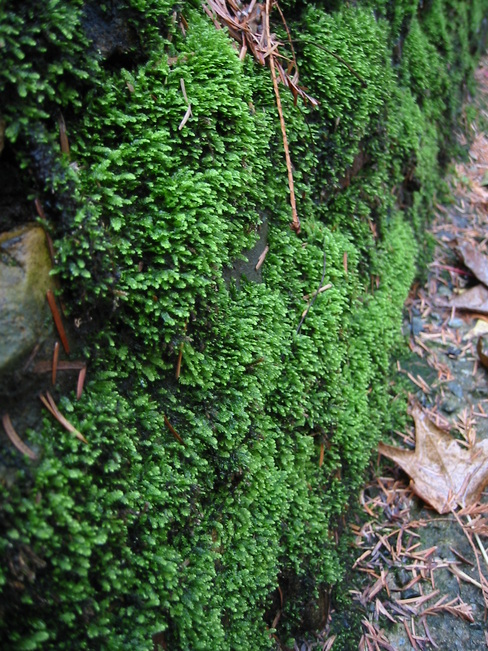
(25, 267)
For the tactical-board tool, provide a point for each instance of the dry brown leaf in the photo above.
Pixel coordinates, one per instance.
(478, 330)
(483, 356)
(474, 299)
(443, 472)
(475, 261)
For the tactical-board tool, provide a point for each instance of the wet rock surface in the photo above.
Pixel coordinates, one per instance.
(27, 340)
(25, 268)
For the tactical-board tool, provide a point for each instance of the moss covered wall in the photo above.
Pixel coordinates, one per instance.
(138, 533)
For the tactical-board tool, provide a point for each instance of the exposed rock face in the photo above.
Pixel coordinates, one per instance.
(24, 279)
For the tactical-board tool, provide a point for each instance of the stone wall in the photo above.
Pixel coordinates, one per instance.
(229, 411)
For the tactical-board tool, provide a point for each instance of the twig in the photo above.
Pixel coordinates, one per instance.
(188, 113)
(45, 366)
(295, 225)
(304, 315)
(185, 119)
(261, 258)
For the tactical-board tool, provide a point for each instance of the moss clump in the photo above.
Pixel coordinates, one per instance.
(143, 534)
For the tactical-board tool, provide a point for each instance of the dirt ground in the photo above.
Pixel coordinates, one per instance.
(420, 577)
(425, 585)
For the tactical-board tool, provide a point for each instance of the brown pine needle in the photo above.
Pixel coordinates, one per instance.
(409, 635)
(57, 320)
(180, 356)
(461, 557)
(295, 224)
(55, 362)
(250, 27)
(81, 382)
(15, 438)
(329, 643)
(183, 90)
(186, 117)
(178, 363)
(319, 291)
(381, 610)
(261, 258)
(48, 402)
(465, 577)
(40, 209)
(45, 366)
(63, 137)
(173, 431)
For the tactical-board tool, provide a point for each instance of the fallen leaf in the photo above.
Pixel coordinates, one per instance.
(475, 261)
(480, 329)
(443, 473)
(474, 299)
(483, 356)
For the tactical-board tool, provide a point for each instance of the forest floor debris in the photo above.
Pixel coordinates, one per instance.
(426, 585)
(423, 574)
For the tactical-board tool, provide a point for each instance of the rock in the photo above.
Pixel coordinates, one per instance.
(456, 323)
(444, 291)
(456, 389)
(24, 279)
(417, 325)
(451, 405)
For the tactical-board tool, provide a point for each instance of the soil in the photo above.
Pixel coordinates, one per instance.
(418, 577)
(422, 588)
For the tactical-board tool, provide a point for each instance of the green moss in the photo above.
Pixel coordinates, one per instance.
(141, 532)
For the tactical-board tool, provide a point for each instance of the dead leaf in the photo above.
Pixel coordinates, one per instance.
(479, 329)
(483, 356)
(475, 261)
(474, 299)
(443, 472)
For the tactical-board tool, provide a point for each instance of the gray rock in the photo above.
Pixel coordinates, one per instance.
(456, 389)
(451, 405)
(24, 279)
(456, 323)
(417, 325)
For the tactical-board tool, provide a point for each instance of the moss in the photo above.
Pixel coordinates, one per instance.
(186, 537)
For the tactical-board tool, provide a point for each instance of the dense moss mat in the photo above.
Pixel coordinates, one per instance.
(142, 533)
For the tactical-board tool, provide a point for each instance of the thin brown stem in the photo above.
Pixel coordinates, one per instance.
(295, 225)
